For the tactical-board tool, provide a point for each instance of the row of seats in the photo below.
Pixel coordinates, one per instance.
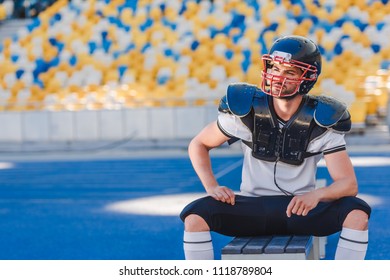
(173, 53)
(6, 9)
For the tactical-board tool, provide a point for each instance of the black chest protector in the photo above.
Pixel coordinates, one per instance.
(289, 143)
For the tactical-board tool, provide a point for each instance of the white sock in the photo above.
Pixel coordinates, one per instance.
(198, 246)
(352, 244)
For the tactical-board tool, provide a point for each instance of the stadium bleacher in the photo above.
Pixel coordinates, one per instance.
(99, 54)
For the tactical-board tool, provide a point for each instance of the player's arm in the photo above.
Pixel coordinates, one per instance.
(344, 184)
(210, 137)
(344, 179)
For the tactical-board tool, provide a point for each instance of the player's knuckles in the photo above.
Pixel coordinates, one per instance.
(222, 197)
(297, 210)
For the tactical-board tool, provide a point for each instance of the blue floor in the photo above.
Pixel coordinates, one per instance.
(57, 210)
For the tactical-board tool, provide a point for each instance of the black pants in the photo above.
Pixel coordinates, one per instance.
(266, 215)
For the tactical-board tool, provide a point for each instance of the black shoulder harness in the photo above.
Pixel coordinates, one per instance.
(287, 144)
(270, 142)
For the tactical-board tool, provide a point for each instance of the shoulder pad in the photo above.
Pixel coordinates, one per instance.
(223, 107)
(344, 124)
(239, 98)
(331, 113)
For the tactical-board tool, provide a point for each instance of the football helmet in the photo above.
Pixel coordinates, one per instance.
(292, 51)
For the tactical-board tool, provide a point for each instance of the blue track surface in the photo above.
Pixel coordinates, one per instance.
(57, 210)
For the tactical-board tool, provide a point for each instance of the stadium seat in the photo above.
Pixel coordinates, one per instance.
(127, 42)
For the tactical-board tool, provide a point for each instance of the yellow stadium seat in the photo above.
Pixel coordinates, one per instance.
(3, 12)
(358, 111)
(54, 85)
(253, 74)
(336, 14)
(381, 97)
(372, 109)
(210, 52)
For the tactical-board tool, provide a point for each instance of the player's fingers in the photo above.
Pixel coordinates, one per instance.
(225, 195)
(306, 210)
(216, 196)
(222, 197)
(294, 210)
(289, 207)
(300, 210)
(231, 196)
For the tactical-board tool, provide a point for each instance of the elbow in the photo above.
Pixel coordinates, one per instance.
(197, 144)
(353, 187)
(195, 147)
(191, 146)
(194, 143)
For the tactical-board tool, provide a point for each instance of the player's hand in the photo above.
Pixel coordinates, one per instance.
(301, 204)
(223, 194)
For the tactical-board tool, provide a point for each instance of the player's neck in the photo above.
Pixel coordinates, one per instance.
(286, 108)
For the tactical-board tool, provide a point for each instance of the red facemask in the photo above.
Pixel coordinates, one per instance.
(269, 80)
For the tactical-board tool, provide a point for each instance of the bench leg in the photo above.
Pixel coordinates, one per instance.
(319, 250)
(323, 241)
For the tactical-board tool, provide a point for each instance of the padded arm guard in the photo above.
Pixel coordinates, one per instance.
(331, 113)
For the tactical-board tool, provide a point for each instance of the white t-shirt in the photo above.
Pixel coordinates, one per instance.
(258, 175)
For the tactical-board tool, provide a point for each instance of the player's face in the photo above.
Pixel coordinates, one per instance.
(285, 80)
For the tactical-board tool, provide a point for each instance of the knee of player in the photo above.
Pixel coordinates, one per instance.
(356, 219)
(194, 222)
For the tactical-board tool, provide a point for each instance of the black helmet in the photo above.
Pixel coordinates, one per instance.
(295, 51)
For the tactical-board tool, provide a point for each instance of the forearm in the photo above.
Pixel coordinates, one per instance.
(200, 159)
(338, 189)
(343, 175)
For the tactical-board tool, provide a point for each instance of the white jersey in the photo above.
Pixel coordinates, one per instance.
(259, 176)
